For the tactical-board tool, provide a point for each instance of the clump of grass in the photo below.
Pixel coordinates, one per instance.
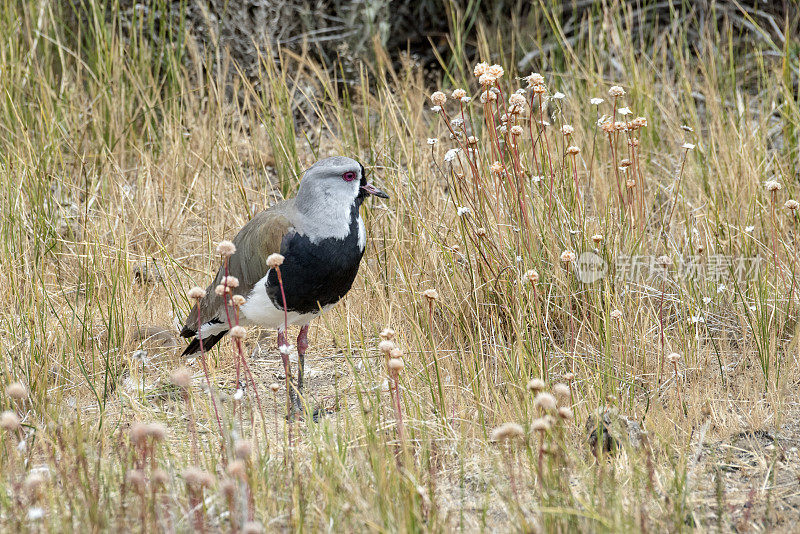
(118, 151)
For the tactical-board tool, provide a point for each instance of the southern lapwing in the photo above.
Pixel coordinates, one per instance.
(321, 236)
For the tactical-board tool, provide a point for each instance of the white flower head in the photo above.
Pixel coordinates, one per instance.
(624, 111)
(436, 109)
(463, 210)
(616, 91)
(558, 95)
(432, 141)
(451, 154)
(596, 101)
(687, 146)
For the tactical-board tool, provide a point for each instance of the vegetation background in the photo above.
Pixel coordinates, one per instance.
(136, 136)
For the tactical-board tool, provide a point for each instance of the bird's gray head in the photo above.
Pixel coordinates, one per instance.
(337, 180)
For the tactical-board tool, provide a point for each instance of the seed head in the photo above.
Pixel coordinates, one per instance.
(567, 130)
(430, 294)
(565, 413)
(616, 314)
(237, 469)
(630, 183)
(386, 346)
(496, 168)
(238, 332)
(791, 205)
(507, 431)
(616, 91)
(625, 162)
(674, 357)
(535, 79)
(561, 390)
(516, 130)
(458, 94)
(17, 391)
(157, 431)
(181, 377)
(197, 478)
(136, 478)
(160, 477)
(773, 185)
(274, 387)
(9, 421)
(639, 122)
(472, 140)
(597, 238)
(540, 424)
(230, 281)
(226, 249)
(395, 353)
(532, 276)
(196, 293)
(138, 432)
(480, 68)
(573, 150)
(536, 385)
(569, 377)
(396, 365)
(539, 89)
(243, 448)
(496, 71)
(439, 98)
(517, 100)
(568, 256)
(387, 333)
(275, 260)
(607, 126)
(486, 79)
(545, 401)
(221, 290)
(481, 232)
(238, 300)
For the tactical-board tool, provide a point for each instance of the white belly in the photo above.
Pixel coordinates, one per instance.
(260, 310)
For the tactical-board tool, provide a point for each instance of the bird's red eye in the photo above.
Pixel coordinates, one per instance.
(349, 176)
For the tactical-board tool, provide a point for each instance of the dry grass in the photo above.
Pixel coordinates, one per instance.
(122, 165)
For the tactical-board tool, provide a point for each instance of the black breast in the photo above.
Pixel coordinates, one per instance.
(316, 274)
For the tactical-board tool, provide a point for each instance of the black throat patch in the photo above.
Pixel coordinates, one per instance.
(316, 274)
